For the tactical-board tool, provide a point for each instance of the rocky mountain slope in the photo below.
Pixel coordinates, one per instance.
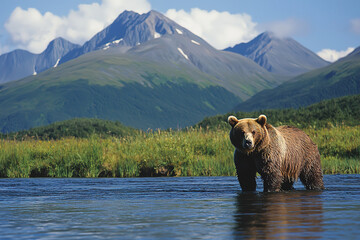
(339, 79)
(20, 63)
(283, 56)
(145, 71)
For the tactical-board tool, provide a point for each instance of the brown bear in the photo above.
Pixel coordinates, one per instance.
(280, 155)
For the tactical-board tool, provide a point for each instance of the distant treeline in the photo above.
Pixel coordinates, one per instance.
(333, 112)
(77, 127)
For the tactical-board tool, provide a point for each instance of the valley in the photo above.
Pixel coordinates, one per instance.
(148, 67)
(98, 148)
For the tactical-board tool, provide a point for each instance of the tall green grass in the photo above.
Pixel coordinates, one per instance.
(156, 153)
(339, 148)
(194, 152)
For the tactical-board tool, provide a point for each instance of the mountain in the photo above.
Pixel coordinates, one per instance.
(20, 63)
(16, 64)
(173, 79)
(231, 71)
(341, 78)
(354, 53)
(53, 53)
(128, 30)
(283, 56)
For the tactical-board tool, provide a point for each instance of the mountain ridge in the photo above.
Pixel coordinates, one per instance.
(283, 56)
(127, 30)
(169, 78)
(16, 65)
(19, 63)
(170, 81)
(51, 56)
(340, 78)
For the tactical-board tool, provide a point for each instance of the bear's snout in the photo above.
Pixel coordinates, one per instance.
(248, 142)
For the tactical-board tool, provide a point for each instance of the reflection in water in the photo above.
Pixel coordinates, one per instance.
(283, 215)
(175, 208)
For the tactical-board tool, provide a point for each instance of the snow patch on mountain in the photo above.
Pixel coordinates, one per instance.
(107, 45)
(117, 41)
(157, 35)
(195, 42)
(57, 63)
(178, 31)
(182, 53)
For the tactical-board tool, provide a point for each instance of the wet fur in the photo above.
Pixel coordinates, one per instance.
(280, 155)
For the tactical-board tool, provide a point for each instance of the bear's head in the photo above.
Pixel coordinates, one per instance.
(249, 133)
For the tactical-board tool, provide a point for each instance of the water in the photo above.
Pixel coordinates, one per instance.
(175, 208)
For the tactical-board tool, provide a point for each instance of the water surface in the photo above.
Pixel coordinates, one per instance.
(176, 208)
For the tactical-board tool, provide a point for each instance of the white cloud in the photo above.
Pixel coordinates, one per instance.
(31, 30)
(355, 25)
(220, 29)
(333, 55)
(286, 28)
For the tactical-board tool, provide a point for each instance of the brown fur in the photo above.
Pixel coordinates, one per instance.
(280, 155)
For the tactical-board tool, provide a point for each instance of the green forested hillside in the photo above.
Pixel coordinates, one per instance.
(78, 128)
(341, 78)
(161, 97)
(153, 81)
(337, 111)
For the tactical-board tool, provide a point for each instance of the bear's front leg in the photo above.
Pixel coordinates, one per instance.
(270, 174)
(272, 181)
(246, 171)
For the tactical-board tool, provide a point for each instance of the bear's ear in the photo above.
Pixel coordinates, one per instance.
(232, 121)
(261, 120)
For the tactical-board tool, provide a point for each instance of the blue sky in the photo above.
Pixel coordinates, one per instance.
(328, 27)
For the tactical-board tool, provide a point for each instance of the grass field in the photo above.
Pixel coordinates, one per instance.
(194, 152)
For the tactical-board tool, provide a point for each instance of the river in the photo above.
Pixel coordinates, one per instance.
(175, 208)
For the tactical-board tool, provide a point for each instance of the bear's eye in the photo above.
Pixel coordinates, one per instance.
(253, 132)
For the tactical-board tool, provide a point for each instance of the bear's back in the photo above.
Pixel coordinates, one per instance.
(297, 140)
(292, 133)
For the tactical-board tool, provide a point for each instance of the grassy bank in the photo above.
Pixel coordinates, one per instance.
(339, 148)
(195, 152)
